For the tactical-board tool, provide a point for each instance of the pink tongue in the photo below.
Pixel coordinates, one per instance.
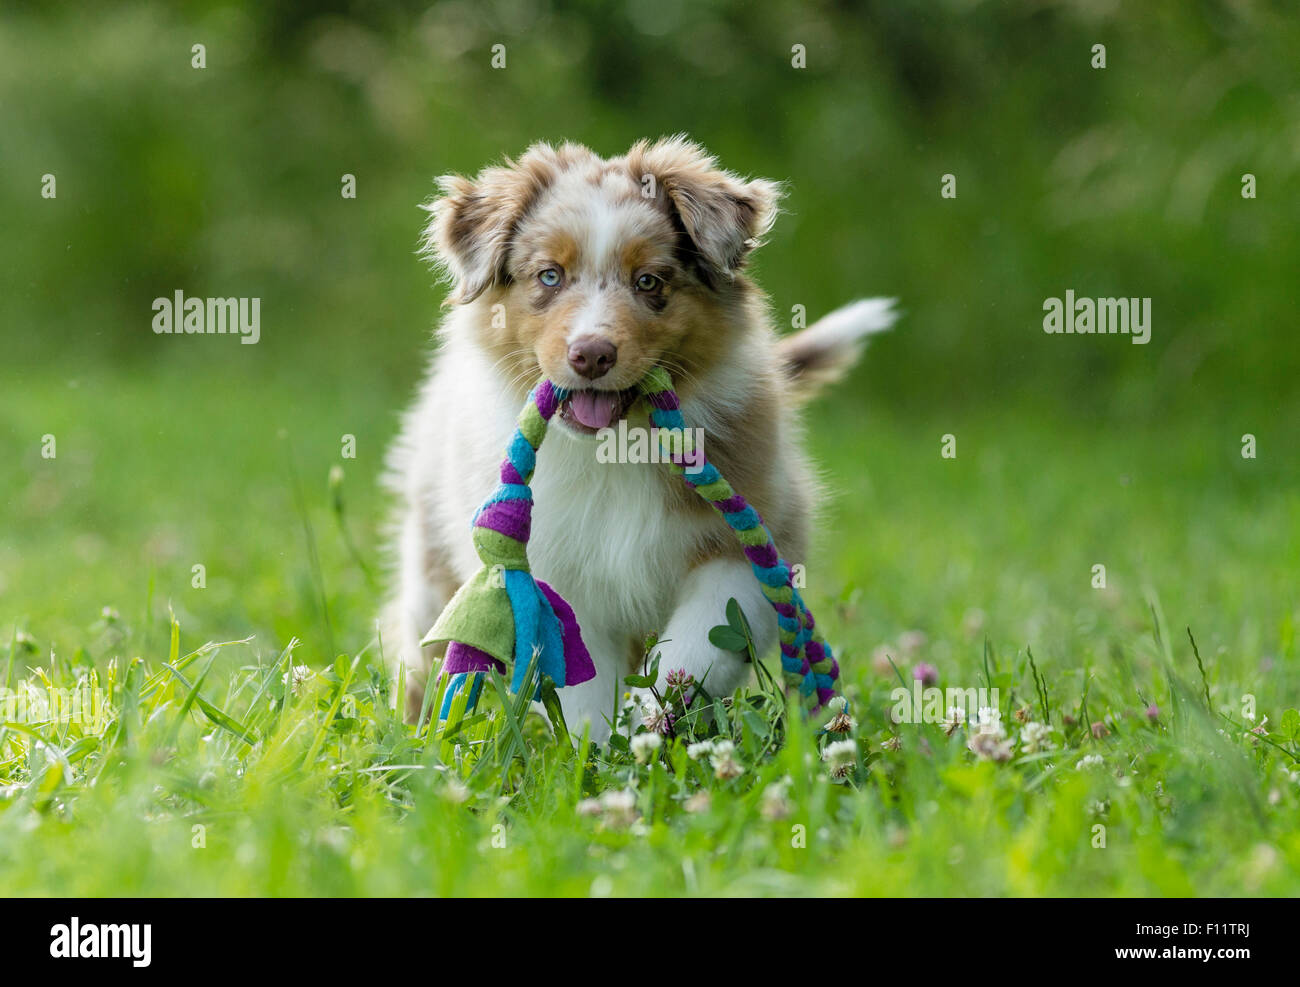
(595, 409)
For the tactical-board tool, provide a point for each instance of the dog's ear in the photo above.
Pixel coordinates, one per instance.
(722, 214)
(473, 221)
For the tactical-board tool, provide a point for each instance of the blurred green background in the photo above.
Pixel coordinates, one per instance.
(225, 181)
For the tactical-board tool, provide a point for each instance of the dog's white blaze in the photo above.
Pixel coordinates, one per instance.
(590, 320)
(608, 225)
(603, 227)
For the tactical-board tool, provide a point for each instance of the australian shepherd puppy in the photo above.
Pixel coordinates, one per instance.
(591, 271)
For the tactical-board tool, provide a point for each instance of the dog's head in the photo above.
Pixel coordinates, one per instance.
(594, 270)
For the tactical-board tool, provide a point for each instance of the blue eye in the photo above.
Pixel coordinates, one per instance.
(550, 277)
(648, 282)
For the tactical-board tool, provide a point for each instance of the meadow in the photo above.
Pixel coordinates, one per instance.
(270, 763)
(192, 529)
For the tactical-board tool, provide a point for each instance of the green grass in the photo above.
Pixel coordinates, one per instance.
(322, 791)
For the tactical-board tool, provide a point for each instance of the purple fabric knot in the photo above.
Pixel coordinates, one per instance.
(546, 400)
(578, 666)
(467, 658)
(512, 518)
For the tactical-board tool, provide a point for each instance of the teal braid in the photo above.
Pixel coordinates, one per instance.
(807, 662)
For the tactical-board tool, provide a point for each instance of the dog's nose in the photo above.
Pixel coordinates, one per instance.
(592, 356)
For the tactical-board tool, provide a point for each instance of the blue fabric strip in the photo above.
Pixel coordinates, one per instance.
(454, 685)
(509, 491)
(667, 418)
(536, 626)
(778, 575)
(522, 456)
(743, 520)
(708, 474)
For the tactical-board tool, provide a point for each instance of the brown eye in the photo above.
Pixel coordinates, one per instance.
(648, 282)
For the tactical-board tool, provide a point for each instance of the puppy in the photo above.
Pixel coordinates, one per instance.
(591, 271)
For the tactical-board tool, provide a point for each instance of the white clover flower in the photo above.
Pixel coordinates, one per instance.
(1089, 761)
(1255, 733)
(301, 673)
(841, 722)
(1035, 737)
(654, 715)
(619, 807)
(724, 769)
(910, 642)
(725, 765)
(644, 746)
(774, 802)
(613, 808)
(699, 749)
(841, 758)
(658, 721)
(618, 799)
(699, 802)
(989, 720)
(989, 745)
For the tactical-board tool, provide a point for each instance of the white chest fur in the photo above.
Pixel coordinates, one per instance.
(606, 537)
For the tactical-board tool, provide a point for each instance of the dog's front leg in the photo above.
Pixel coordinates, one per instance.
(597, 701)
(701, 605)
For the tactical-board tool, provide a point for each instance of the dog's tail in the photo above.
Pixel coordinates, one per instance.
(825, 351)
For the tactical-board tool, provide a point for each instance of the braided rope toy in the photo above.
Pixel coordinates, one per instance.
(504, 616)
